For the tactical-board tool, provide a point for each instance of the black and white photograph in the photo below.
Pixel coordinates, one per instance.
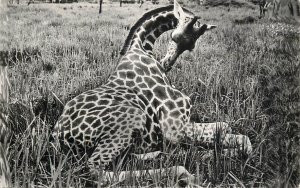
(149, 93)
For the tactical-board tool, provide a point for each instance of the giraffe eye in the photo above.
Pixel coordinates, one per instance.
(186, 20)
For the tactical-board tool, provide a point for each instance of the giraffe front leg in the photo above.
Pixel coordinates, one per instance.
(237, 142)
(207, 133)
(216, 126)
(147, 156)
(210, 133)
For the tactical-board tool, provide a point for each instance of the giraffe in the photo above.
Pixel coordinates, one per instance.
(137, 110)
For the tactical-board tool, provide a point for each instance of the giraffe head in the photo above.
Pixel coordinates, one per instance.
(184, 36)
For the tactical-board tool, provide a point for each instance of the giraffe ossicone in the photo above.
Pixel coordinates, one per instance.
(138, 109)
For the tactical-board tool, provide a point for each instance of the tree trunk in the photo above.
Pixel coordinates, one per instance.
(100, 7)
(4, 132)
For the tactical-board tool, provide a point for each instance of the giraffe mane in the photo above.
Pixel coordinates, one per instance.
(145, 17)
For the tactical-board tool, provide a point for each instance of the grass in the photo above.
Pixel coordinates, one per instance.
(244, 74)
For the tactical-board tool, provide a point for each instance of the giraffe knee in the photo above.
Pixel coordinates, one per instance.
(247, 144)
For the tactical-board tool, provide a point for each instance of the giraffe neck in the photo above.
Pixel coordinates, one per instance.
(145, 32)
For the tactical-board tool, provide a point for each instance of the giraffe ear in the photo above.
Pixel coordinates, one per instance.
(210, 27)
(177, 10)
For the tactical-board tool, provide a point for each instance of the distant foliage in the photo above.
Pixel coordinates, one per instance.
(236, 3)
(256, 2)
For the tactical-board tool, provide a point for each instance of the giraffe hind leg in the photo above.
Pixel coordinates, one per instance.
(177, 173)
(121, 137)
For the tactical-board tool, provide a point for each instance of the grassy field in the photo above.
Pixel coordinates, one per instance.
(244, 74)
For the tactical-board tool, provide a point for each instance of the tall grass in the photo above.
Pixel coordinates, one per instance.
(247, 75)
